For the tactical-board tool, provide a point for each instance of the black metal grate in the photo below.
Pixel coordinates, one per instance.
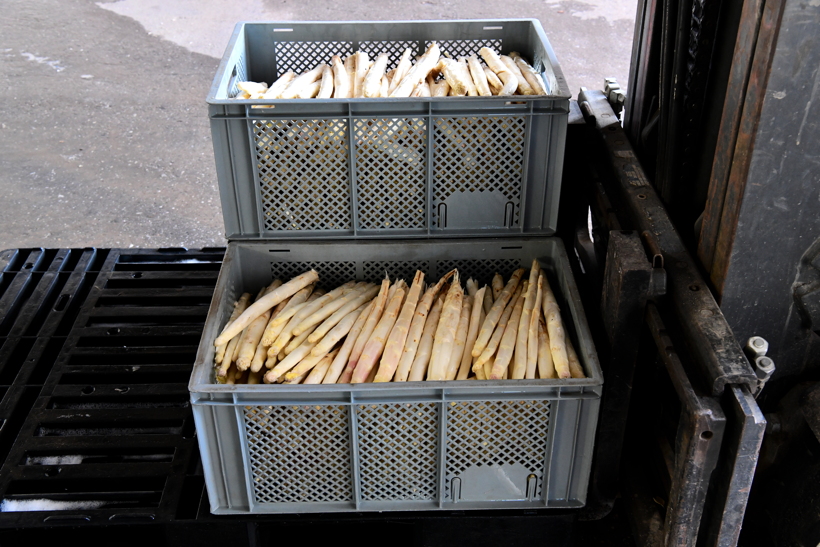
(105, 342)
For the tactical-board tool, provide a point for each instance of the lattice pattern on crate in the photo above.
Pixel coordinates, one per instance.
(391, 173)
(480, 154)
(465, 48)
(331, 274)
(375, 271)
(303, 173)
(494, 433)
(302, 56)
(480, 270)
(398, 450)
(393, 48)
(299, 453)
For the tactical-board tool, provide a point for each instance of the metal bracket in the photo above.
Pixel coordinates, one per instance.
(704, 326)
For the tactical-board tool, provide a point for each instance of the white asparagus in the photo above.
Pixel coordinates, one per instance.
(546, 369)
(575, 368)
(329, 308)
(464, 69)
(356, 300)
(290, 361)
(523, 86)
(350, 67)
(296, 303)
(310, 91)
(276, 88)
(238, 307)
(318, 373)
(252, 88)
(496, 85)
(478, 76)
(297, 341)
(375, 345)
(339, 362)
(422, 359)
(453, 367)
(266, 303)
(398, 334)
(369, 325)
(230, 376)
(504, 74)
(421, 90)
(286, 334)
(488, 352)
(362, 66)
(488, 300)
(532, 331)
(498, 286)
(326, 85)
(297, 380)
(417, 326)
(472, 287)
(341, 79)
(519, 370)
(279, 320)
(491, 320)
(442, 89)
(555, 330)
(254, 377)
(401, 69)
(298, 85)
(506, 347)
(371, 87)
(339, 331)
(228, 360)
(530, 74)
(472, 333)
(418, 72)
(251, 336)
(305, 365)
(384, 90)
(259, 357)
(457, 75)
(446, 332)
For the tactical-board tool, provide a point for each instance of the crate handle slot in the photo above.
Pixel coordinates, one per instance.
(283, 30)
(532, 482)
(509, 213)
(278, 250)
(442, 217)
(232, 80)
(455, 489)
(493, 28)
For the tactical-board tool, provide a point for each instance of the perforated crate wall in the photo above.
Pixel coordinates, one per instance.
(392, 452)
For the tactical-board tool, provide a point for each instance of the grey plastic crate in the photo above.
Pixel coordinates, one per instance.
(396, 446)
(386, 168)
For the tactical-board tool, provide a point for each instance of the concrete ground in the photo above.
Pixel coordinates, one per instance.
(104, 135)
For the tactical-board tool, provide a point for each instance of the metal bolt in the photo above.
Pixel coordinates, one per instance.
(756, 346)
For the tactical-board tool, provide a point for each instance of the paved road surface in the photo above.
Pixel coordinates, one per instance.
(104, 137)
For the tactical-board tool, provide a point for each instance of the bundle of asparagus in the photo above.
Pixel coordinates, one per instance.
(433, 75)
(361, 332)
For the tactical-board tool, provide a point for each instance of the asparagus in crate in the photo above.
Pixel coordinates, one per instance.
(360, 333)
(434, 74)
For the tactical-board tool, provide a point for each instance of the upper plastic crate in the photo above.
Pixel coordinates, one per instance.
(392, 167)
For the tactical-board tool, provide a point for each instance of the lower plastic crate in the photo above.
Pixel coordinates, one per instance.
(397, 446)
